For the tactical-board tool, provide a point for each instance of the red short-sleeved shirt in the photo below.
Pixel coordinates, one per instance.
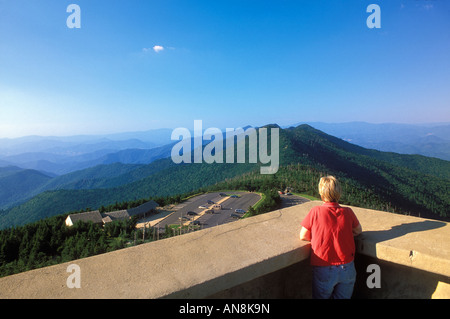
(332, 241)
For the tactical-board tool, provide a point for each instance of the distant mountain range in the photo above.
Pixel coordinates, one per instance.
(411, 183)
(424, 139)
(62, 155)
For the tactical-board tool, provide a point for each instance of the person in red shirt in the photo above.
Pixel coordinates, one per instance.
(330, 228)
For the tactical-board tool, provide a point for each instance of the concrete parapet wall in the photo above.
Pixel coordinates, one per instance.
(256, 257)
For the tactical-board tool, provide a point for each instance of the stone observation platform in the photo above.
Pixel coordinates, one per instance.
(257, 257)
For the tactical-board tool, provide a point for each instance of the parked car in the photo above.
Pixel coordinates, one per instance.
(191, 213)
(210, 202)
(183, 218)
(234, 196)
(223, 194)
(235, 216)
(202, 206)
(209, 211)
(240, 211)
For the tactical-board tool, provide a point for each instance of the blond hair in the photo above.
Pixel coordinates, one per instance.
(329, 189)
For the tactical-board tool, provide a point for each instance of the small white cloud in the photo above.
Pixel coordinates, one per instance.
(158, 48)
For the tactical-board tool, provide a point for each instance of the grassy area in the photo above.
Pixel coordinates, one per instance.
(189, 197)
(307, 196)
(176, 230)
(258, 203)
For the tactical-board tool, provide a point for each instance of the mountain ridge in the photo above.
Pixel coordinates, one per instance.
(300, 145)
(428, 139)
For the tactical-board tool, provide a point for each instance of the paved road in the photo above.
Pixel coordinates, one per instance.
(229, 205)
(292, 200)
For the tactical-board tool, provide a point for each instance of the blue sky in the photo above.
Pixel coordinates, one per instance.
(228, 63)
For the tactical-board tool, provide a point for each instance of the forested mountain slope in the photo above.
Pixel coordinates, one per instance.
(15, 182)
(401, 183)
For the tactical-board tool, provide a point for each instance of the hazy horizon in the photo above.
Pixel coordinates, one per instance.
(104, 134)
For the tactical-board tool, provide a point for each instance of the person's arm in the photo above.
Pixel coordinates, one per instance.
(357, 230)
(305, 234)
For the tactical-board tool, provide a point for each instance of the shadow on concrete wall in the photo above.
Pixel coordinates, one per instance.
(397, 281)
(400, 230)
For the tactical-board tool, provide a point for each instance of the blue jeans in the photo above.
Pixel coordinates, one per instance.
(333, 282)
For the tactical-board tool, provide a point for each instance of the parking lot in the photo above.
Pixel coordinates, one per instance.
(199, 210)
